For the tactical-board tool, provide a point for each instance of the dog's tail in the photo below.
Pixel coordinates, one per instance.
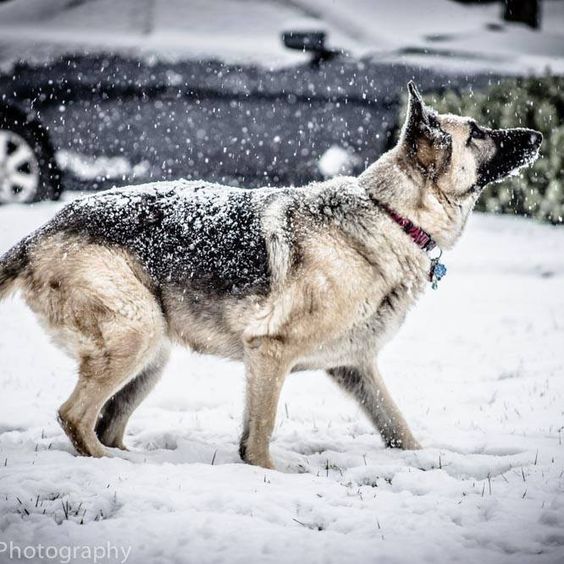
(11, 265)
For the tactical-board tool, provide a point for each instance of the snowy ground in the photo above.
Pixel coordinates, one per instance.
(477, 370)
(430, 32)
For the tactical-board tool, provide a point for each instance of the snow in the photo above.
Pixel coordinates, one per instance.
(450, 34)
(336, 160)
(477, 371)
(429, 32)
(88, 167)
(236, 30)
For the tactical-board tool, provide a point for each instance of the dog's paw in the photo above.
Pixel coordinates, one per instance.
(405, 443)
(255, 459)
(263, 462)
(411, 444)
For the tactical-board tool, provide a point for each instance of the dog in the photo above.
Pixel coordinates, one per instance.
(283, 279)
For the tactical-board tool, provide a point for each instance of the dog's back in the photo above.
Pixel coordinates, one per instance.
(192, 234)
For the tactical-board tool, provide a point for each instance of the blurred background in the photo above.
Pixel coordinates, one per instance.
(96, 93)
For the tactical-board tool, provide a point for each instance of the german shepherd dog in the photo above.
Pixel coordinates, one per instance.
(317, 277)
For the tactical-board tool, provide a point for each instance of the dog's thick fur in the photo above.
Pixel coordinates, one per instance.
(282, 279)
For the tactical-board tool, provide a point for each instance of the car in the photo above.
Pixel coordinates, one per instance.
(28, 169)
(91, 121)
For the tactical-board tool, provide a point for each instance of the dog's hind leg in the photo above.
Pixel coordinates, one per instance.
(102, 373)
(124, 349)
(367, 387)
(101, 311)
(115, 414)
(266, 370)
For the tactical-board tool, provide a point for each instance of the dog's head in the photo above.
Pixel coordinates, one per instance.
(451, 158)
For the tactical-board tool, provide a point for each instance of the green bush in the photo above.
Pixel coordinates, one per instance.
(537, 103)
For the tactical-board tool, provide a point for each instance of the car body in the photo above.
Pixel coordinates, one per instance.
(114, 120)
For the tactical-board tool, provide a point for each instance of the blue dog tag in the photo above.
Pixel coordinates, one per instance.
(438, 271)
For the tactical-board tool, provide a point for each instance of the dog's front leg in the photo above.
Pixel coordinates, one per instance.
(266, 369)
(367, 386)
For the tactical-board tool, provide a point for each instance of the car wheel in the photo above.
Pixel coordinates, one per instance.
(28, 170)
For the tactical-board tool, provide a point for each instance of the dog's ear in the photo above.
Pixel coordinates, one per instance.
(415, 105)
(426, 144)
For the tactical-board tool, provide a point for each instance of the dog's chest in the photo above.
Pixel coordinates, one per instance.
(375, 324)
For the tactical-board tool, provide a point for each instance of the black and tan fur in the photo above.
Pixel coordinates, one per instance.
(281, 279)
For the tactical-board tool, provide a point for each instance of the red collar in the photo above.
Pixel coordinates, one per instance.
(419, 236)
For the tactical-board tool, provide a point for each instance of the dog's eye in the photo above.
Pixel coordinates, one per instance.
(476, 132)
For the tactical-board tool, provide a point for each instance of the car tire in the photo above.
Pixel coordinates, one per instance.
(28, 170)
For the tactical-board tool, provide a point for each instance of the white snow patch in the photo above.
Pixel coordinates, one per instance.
(426, 32)
(87, 167)
(336, 160)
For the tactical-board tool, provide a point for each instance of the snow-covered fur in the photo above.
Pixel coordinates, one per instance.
(282, 279)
